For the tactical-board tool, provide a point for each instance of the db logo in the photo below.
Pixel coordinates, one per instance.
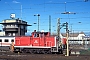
(35, 41)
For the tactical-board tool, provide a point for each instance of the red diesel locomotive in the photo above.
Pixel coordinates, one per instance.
(38, 42)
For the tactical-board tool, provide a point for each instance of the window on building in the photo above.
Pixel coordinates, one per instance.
(6, 40)
(16, 25)
(0, 40)
(12, 40)
(13, 34)
(9, 34)
(11, 25)
(8, 26)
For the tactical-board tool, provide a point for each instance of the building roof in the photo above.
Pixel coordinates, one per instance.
(72, 34)
(15, 21)
(82, 32)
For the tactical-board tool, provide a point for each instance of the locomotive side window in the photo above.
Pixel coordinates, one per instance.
(37, 35)
(0, 40)
(12, 40)
(6, 40)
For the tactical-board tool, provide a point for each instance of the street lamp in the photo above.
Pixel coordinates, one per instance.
(38, 20)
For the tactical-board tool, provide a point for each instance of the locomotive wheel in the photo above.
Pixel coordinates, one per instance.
(31, 52)
(44, 52)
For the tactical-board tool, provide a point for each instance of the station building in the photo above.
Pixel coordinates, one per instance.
(14, 27)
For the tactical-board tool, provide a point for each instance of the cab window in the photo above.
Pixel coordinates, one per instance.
(36, 35)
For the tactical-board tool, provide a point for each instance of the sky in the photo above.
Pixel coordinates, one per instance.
(26, 9)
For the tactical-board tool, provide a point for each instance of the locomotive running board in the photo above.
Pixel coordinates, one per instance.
(31, 47)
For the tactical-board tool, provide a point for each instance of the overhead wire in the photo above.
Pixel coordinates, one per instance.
(11, 7)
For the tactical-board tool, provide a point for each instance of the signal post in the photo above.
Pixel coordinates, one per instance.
(67, 35)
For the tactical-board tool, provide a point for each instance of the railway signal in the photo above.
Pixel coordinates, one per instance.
(67, 33)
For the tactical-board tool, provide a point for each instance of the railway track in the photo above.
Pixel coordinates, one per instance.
(9, 53)
(26, 56)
